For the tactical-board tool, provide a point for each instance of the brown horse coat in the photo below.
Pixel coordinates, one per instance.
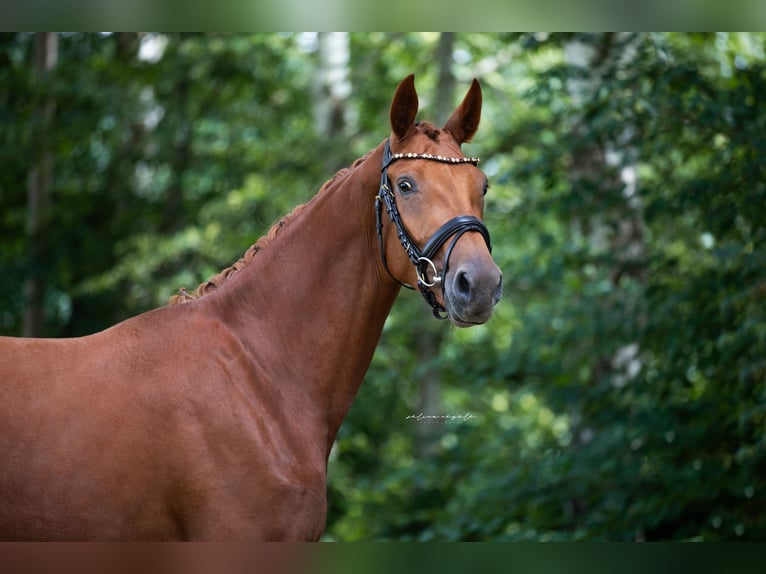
(214, 419)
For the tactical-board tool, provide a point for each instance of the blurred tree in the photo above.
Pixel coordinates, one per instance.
(40, 181)
(578, 435)
(332, 87)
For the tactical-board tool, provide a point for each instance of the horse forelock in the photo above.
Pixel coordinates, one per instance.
(430, 130)
(185, 296)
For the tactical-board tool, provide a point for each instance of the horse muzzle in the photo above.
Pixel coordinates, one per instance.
(471, 291)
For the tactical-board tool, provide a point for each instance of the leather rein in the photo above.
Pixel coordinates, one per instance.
(423, 259)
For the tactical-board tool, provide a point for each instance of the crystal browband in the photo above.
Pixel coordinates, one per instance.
(441, 158)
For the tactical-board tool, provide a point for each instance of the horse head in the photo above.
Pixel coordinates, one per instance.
(434, 196)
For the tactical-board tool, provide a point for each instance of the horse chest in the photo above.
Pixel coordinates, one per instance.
(247, 480)
(241, 504)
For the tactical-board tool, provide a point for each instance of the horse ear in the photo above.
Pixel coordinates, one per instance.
(464, 121)
(404, 107)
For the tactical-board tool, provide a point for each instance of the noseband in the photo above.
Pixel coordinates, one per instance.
(423, 260)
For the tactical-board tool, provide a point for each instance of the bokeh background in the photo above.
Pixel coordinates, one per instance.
(328, 15)
(618, 392)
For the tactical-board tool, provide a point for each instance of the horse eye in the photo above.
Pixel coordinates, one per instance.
(405, 185)
(486, 188)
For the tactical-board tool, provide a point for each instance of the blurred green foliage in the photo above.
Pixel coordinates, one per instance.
(617, 394)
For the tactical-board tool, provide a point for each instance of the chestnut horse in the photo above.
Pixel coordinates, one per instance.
(214, 419)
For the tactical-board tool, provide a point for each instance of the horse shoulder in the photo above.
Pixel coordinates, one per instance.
(246, 445)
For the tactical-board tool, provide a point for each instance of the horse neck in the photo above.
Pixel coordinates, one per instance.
(317, 296)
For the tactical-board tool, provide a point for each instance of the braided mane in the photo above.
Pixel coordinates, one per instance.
(184, 296)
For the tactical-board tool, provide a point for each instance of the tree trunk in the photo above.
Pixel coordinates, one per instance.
(331, 85)
(611, 221)
(621, 232)
(39, 184)
(446, 87)
(182, 134)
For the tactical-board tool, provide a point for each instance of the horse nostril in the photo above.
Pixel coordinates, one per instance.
(463, 285)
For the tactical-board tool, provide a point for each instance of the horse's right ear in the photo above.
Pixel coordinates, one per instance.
(404, 107)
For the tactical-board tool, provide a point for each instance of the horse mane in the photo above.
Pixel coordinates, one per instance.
(184, 296)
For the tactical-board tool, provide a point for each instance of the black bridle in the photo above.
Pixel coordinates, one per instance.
(423, 260)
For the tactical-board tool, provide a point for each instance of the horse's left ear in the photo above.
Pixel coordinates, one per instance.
(464, 121)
